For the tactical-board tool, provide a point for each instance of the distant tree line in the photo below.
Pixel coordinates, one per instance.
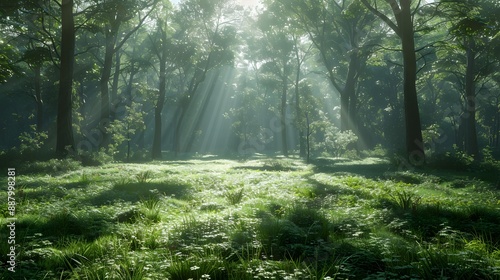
(321, 77)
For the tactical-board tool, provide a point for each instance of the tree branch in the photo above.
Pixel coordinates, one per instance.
(141, 21)
(383, 17)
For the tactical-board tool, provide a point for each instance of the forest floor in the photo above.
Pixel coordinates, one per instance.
(261, 218)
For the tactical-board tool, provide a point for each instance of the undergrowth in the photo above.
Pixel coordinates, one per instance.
(258, 219)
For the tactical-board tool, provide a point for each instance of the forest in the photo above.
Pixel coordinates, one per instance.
(246, 139)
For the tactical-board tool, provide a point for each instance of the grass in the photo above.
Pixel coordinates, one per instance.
(255, 219)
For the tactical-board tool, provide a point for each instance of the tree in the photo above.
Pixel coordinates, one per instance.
(161, 47)
(342, 32)
(32, 28)
(276, 55)
(112, 15)
(65, 105)
(473, 26)
(403, 26)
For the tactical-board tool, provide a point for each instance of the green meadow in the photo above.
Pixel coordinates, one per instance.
(258, 218)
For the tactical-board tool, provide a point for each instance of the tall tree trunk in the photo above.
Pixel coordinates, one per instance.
(308, 140)
(349, 93)
(404, 29)
(113, 97)
(298, 114)
(38, 98)
(414, 140)
(64, 137)
(470, 137)
(156, 151)
(105, 98)
(284, 142)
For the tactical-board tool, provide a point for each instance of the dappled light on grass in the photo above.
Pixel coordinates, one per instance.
(257, 219)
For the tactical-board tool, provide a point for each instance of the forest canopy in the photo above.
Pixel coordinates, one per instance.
(153, 79)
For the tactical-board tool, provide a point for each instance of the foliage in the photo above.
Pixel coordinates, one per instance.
(122, 131)
(144, 176)
(456, 160)
(234, 196)
(93, 158)
(33, 141)
(52, 166)
(330, 141)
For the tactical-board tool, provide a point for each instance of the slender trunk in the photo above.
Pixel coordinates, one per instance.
(105, 99)
(156, 151)
(349, 93)
(128, 142)
(177, 132)
(344, 111)
(308, 141)
(113, 97)
(497, 129)
(471, 146)
(128, 92)
(414, 141)
(284, 142)
(38, 98)
(64, 137)
(300, 128)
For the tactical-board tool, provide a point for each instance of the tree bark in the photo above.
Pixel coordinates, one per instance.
(64, 137)
(414, 140)
(105, 77)
(298, 113)
(349, 94)
(404, 29)
(113, 97)
(38, 98)
(470, 137)
(156, 151)
(284, 142)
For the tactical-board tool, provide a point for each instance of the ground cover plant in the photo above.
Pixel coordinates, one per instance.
(260, 218)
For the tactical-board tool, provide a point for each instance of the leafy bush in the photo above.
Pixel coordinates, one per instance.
(455, 160)
(32, 141)
(93, 158)
(313, 222)
(51, 166)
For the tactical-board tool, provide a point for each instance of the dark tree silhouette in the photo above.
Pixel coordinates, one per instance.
(65, 138)
(404, 28)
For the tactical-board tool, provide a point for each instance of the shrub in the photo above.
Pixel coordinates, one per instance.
(93, 158)
(313, 222)
(51, 166)
(454, 160)
(234, 196)
(32, 141)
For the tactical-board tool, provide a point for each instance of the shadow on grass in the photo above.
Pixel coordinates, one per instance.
(134, 192)
(428, 221)
(266, 168)
(88, 225)
(343, 167)
(272, 164)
